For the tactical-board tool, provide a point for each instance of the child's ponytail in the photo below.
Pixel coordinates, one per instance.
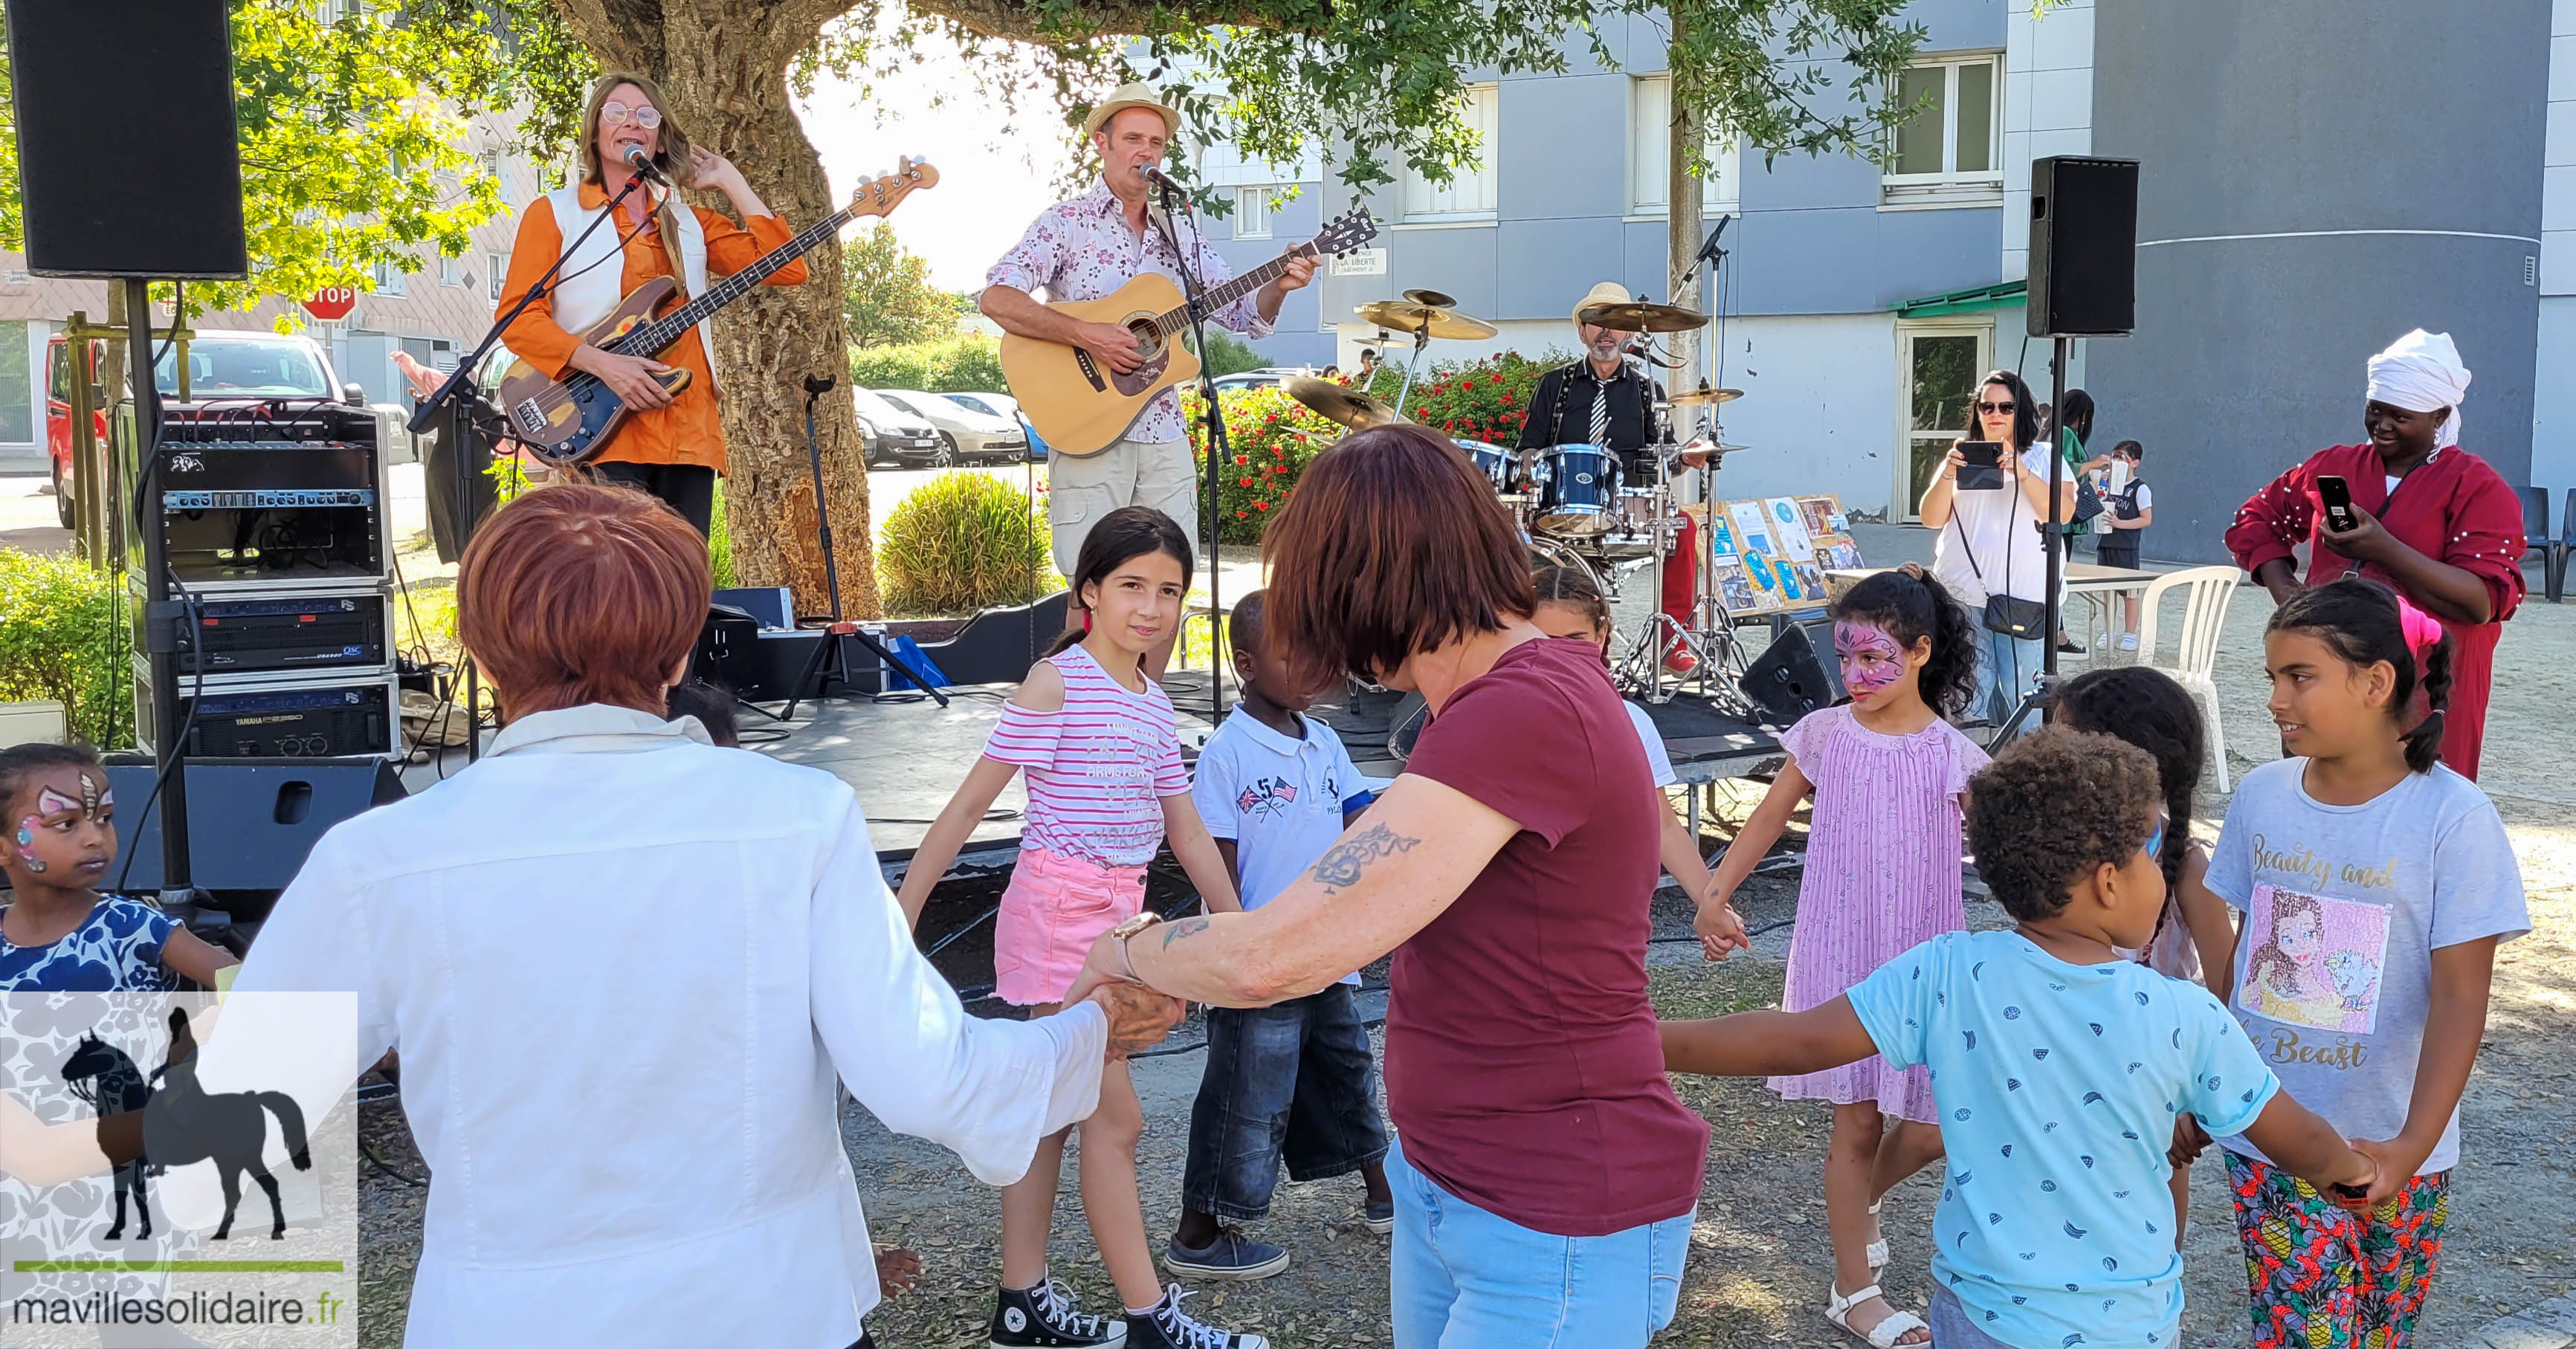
(1910, 604)
(2365, 622)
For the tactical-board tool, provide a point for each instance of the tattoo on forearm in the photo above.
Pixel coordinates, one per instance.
(1187, 927)
(1340, 866)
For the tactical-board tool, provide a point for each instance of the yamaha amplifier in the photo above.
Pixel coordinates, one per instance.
(300, 719)
(265, 636)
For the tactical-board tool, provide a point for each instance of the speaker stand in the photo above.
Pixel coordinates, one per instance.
(2053, 540)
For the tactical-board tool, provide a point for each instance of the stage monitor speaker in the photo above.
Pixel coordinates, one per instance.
(251, 822)
(729, 653)
(129, 159)
(1795, 676)
(2083, 246)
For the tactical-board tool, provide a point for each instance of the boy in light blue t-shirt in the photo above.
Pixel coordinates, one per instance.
(2057, 1065)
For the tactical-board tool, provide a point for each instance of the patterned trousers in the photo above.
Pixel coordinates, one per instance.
(2324, 1277)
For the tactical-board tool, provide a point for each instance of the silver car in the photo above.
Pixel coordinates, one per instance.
(970, 434)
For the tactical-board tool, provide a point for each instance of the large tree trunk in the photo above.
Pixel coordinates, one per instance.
(723, 66)
(1682, 218)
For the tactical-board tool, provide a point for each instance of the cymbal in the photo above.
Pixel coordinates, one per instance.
(1703, 396)
(1434, 320)
(1337, 403)
(1433, 298)
(1643, 318)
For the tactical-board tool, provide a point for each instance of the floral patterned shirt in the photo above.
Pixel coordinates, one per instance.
(117, 949)
(1083, 249)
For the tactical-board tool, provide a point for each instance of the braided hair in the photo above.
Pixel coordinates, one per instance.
(2360, 620)
(1910, 604)
(1574, 589)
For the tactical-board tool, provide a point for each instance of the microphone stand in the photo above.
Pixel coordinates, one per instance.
(829, 647)
(1220, 452)
(427, 413)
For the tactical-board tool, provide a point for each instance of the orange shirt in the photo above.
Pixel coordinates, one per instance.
(689, 430)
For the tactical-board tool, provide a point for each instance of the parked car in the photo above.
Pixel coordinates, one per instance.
(1001, 405)
(970, 434)
(222, 365)
(1269, 377)
(899, 434)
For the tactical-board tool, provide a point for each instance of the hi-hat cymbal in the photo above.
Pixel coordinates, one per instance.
(1433, 298)
(1643, 318)
(1340, 403)
(1704, 396)
(1404, 316)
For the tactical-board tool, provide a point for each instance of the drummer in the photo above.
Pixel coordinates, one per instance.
(1607, 400)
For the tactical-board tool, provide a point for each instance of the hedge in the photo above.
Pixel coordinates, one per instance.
(64, 637)
(949, 365)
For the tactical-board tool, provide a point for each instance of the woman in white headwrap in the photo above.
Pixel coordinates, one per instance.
(2432, 520)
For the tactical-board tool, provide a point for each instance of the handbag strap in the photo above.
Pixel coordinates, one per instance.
(1971, 553)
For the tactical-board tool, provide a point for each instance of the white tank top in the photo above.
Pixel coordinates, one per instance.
(591, 284)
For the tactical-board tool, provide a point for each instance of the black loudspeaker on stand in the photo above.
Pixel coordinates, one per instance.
(129, 158)
(250, 822)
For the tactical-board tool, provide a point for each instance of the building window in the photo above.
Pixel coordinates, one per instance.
(1469, 194)
(1650, 142)
(499, 264)
(1946, 153)
(447, 271)
(1940, 366)
(1252, 207)
(389, 278)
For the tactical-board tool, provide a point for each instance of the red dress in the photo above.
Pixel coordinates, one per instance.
(2453, 508)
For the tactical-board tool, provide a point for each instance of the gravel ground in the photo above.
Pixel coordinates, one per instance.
(1758, 1270)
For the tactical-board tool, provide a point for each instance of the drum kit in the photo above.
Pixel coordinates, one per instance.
(1571, 501)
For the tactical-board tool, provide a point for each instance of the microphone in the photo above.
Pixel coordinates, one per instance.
(1709, 251)
(1158, 178)
(642, 163)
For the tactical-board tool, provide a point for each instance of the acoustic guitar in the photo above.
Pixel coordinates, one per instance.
(1078, 404)
(568, 420)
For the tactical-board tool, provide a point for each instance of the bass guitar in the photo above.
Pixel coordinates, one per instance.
(1078, 404)
(568, 420)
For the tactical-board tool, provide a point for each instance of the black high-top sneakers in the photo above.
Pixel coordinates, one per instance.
(1044, 1318)
(1168, 1327)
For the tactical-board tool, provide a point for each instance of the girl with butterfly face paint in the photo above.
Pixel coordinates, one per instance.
(1889, 775)
(61, 934)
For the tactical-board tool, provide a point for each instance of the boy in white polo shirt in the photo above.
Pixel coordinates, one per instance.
(1294, 1080)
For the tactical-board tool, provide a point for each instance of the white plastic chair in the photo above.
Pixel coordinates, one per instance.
(2204, 614)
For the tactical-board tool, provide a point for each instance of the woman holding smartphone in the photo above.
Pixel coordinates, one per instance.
(1990, 545)
(2408, 507)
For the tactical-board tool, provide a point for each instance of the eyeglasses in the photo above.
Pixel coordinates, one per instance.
(2156, 841)
(1996, 407)
(613, 112)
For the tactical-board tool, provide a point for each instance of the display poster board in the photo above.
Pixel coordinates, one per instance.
(1770, 555)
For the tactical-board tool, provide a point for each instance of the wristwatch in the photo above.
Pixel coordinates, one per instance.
(1125, 930)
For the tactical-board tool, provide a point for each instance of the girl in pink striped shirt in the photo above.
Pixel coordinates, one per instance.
(1095, 737)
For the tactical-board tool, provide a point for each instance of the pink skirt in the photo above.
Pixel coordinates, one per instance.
(1053, 910)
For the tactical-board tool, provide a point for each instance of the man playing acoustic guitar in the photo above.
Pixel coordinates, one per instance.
(1084, 249)
(670, 445)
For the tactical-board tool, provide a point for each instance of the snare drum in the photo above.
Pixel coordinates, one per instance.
(1578, 485)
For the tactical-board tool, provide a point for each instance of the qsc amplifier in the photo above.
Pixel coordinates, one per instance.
(264, 635)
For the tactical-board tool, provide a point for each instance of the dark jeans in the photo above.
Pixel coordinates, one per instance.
(1292, 1081)
(689, 489)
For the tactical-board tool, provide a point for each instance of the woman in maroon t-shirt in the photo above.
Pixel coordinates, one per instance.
(1509, 870)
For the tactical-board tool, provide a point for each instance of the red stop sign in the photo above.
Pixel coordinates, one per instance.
(332, 303)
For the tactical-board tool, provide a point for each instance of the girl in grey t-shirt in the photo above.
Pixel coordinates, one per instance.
(2375, 886)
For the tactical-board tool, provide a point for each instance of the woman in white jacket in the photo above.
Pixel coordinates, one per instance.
(624, 968)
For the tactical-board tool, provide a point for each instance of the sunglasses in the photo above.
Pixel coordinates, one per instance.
(1996, 407)
(2155, 846)
(613, 112)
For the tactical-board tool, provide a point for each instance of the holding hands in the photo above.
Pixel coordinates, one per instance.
(1139, 1017)
(1720, 927)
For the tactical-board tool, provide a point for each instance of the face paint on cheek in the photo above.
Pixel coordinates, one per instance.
(27, 843)
(1885, 661)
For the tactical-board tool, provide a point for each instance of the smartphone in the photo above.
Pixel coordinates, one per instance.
(1984, 470)
(2337, 496)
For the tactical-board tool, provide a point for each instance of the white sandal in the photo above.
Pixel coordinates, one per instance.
(1886, 1333)
(1876, 1252)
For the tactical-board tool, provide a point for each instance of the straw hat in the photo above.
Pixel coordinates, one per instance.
(1608, 292)
(1136, 96)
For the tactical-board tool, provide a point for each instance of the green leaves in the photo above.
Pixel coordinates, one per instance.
(888, 299)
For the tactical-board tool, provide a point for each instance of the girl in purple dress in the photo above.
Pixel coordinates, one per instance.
(1882, 875)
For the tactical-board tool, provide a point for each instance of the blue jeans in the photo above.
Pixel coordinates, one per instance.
(1954, 1326)
(2006, 669)
(1463, 1278)
(1294, 1081)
